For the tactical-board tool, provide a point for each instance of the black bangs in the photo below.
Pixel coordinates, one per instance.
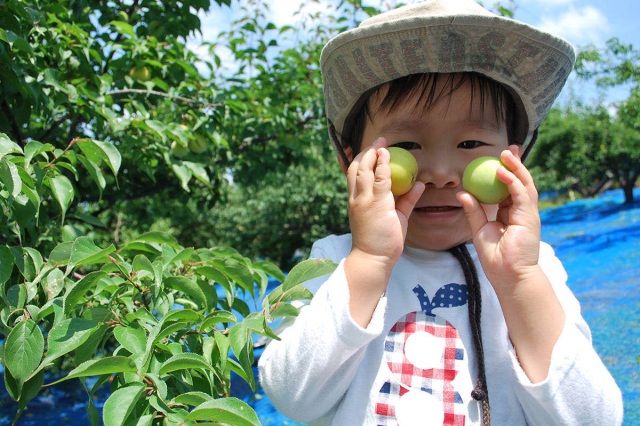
(426, 90)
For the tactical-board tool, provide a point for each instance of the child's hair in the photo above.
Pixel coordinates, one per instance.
(424, 86)
(444, 37)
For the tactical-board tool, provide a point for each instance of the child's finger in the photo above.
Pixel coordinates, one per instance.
(514, 165)
(360, 173)
(382, 172)
(406, 203)
(476, 215)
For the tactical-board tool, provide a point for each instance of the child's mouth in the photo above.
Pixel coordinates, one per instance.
(436, 209)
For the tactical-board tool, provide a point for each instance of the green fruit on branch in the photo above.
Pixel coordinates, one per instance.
(481, 181)
(404, 169)
(178, 150)
(198, 144)
(140, 73)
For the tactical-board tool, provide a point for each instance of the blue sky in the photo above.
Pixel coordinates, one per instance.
(584, 22)
(581, 22)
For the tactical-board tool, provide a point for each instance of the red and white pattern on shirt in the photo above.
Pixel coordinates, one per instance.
(406, 376)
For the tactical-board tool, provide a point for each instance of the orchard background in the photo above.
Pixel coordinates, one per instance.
(144, 187)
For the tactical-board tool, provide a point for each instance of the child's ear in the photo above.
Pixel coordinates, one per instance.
(348, 152)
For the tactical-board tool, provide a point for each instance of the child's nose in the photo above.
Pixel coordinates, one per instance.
(438, 172)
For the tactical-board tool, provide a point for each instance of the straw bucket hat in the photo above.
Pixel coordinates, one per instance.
(445, 36)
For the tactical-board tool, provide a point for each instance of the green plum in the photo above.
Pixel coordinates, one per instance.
(481, 181)
(404, 169)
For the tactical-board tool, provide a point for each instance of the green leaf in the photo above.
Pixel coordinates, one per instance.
(93, 413)
(61, 254)
(271, 269)
(278, 295)
(231, 411)
(89, 349)
(30, 389)
(192, 398)
(99, 152)
(77, 292)
(242, 346)
(28, 261)
(158, 238)
(95, 173)
(198, 172)
(188, 287)
(85, 217)
(142, 263)
(284, 310)
(183, 256)
(222, 347)
(7, 146)
(132, 338)
(257, 323)
(17, 296)
(6, 264)
(11, 385)
(67, 336)
(308, 270)
(159, 384)
(34, 148)
(237, 271)
(98, 367)
(123, 28)
(183, 173)
(62, 190)
(182, 315)
(9, 177)
(121, 404)
(23, 350)
(54, 283)
(85, 252)
(215, 318)
(185, 361)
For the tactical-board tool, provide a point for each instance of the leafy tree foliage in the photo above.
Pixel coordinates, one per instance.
(109, 136)
(617, 63)
(616, 144)
(569, 149)
(128, 168)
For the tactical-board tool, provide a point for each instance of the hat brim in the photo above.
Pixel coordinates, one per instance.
(532, 64)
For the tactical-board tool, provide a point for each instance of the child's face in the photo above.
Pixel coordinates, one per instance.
(444, 139)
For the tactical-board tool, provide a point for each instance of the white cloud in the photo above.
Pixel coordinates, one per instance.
(537, 3)
(580, 26)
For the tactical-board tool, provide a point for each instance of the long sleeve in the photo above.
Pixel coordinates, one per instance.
(329, 370)
(307, 372)
(579, 389)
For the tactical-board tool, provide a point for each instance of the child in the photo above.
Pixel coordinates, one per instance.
(442, 310)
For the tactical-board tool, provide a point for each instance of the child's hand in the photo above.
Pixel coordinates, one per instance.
(378, 228)
(378, 220)
(508, 248)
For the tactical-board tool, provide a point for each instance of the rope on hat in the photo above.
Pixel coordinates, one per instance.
(480, 391)
(338, 146)
(529, 147)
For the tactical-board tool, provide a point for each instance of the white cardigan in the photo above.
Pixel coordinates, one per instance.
(415, 363)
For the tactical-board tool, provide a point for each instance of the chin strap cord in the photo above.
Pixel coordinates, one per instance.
(529, 147)
(337, 145)
(480, 391)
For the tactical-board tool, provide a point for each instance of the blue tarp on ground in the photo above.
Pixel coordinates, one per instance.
(598, 240)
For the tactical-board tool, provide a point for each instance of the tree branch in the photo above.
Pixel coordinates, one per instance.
(161, 94)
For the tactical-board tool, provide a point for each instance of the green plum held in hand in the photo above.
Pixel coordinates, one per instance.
(404, 169)
(481, 181)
